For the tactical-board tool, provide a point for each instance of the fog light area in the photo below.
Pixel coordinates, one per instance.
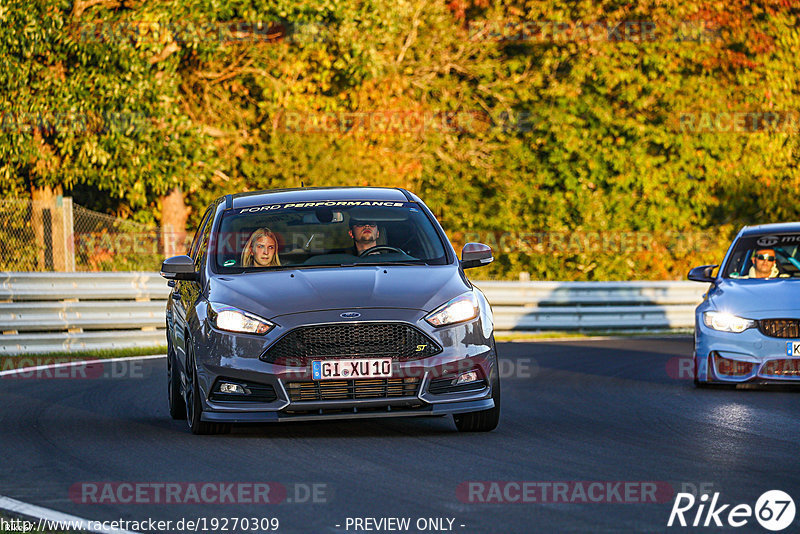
(234, 389)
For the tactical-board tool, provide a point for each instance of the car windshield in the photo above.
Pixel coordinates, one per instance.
(326, 233)
(770, 257)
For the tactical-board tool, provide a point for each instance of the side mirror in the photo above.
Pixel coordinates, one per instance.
(702, 273)
(476, 255)
(178, 268)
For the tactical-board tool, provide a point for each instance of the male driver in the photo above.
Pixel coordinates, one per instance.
(365, 234)
(764, 264)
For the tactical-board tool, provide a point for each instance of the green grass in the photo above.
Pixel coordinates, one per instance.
(533, 336)
(27, 360)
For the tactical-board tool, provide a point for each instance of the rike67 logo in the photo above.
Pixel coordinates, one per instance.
(774, 511)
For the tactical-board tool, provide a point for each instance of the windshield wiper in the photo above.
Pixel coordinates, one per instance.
(380, 263)
(285, 268)
(322, 265)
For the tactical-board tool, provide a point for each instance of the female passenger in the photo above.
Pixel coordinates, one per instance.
(261, 250)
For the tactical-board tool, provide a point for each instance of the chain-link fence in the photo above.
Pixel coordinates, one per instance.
(59, 236)
(18, 250)
(106, 243)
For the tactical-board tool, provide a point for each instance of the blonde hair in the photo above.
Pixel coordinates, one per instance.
(247, 253)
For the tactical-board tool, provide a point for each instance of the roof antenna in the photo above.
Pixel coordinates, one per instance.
(302, 184)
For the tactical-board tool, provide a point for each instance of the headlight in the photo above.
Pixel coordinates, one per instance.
(234, 320)
(726, 322)
(459, 309)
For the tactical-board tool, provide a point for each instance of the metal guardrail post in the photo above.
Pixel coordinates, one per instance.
(68, 232)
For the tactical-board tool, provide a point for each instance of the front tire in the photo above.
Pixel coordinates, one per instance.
(484, 420)
(194, 404)
(707, 384)
(177, 406)
(697, 382)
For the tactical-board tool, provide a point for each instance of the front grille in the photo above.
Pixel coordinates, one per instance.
(785, 328)
(399, 341)
(368, 388)
(784, 367)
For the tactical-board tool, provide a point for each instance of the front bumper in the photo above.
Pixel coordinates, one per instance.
(746, 357)
(351, 413)
(234, 357)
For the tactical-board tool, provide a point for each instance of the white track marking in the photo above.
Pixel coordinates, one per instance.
(45, 514)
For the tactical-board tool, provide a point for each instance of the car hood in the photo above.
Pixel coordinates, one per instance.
(758, 299)
(274, 293)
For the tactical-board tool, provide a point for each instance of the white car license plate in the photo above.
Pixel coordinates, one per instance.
(350, 369)
(793, 348)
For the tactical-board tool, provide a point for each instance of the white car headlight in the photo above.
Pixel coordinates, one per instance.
(460, 309)
(233, 319)
(726, 322)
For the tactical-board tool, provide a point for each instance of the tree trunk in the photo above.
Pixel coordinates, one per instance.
(174, 214)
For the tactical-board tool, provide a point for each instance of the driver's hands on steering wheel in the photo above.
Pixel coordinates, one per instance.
(379, 249)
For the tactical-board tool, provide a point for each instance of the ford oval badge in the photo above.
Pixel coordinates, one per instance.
(350, 315)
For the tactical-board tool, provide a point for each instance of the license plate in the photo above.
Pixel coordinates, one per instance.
(793, 348)
(349, 369)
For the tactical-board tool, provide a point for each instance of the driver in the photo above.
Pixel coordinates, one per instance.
(365, 235)
(764, 264)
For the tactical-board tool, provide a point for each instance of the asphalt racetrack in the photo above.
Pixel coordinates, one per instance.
(583, 422)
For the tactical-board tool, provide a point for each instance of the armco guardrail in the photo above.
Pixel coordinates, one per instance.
(52, 312)
(592, 305)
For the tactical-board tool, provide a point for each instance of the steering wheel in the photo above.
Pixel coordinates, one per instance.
(380, 248)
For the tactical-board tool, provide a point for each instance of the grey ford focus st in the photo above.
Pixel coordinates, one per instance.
(318, 303)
